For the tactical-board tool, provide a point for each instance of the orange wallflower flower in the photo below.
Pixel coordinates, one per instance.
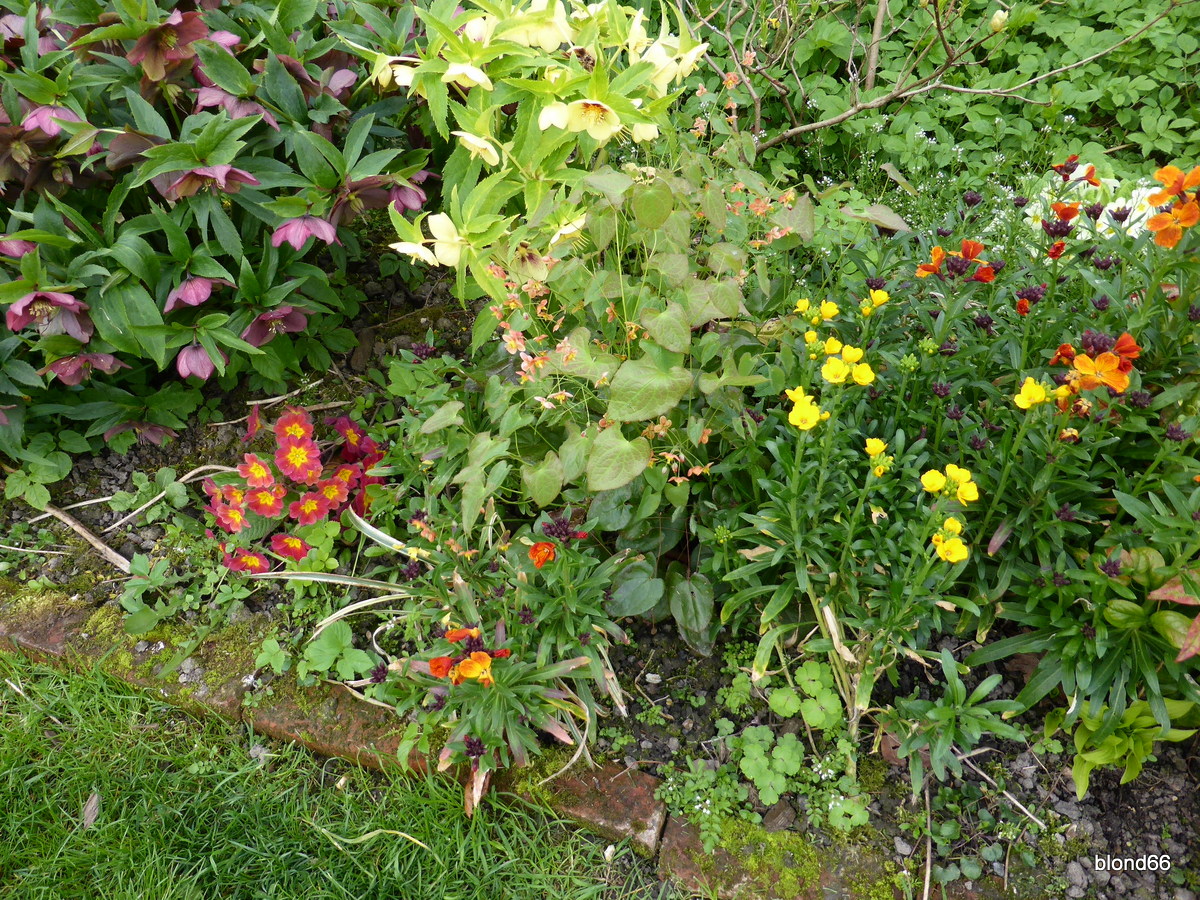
(1174, 182)
(1056, 249)
(478, 665)
(440, 666)
(970, 250)
(542, 553)
(455, 635)
(1168, 226)
(1090, 177)
(1064, 354)
(1065, 211)
(1104, 370)
(934, 267)
(1127, 348)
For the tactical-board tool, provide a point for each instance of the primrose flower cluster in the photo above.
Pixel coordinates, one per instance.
(320, 485)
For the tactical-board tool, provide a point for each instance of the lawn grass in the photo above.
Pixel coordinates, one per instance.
(195, 810)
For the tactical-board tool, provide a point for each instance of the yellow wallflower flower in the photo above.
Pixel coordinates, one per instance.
(878, 298)
(956, 474)
(1031, 394)
(805, 416)
(952, 525)
(835, 371)
(851, 354)
(810, 337)
(968, 492)
(863, 374)
(832, 346)
(875, 447)
(829, 309)
(802, 305)
(933, 481)
(866, 309)
(952, 550)
(880, 471)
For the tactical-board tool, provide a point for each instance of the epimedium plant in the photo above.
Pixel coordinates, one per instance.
(169, 174)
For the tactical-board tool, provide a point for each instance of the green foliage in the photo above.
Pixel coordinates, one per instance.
(955, 720)
(164, 163)
(333, 649)
(1128, 742)
(707, 797)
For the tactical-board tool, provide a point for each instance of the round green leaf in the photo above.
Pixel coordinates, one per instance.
(642, 390)
(543, 481)
(615, 461)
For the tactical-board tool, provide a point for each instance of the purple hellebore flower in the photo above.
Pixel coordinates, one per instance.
(297, 232)
(237, 107)
(404, 196)
(73, 370)
(48, 119)
(169, 42)
(284, 320)
(226, 39)
(145, 431)
(193, 291)
(15, 249)
(194, 360)
(226, 177)
(55, 313)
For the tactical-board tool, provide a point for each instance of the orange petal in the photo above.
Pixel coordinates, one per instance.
(1127, 347)
(1188, 214)
(1192, 180)
(1160, 221)
(1169, 236)
(971, 249)
(1170, 177)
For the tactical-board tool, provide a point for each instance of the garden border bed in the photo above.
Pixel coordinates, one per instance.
(612, 801)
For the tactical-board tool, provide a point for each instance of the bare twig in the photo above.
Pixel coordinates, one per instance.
(872, 63)
(932, 82)
(1011, 799)
(109, 554)
(149, 503)
(928, 844)
(32, 550)
(91, 502)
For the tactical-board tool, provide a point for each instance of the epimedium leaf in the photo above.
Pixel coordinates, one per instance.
(635, 590)
(669, 328)
(652, 205)
(543, 481)
(642, 390)
(691, 600)
(615, 461)
(446, 415)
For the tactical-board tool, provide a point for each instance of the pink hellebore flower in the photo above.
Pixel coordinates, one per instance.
(48, 119)
(145, 431)
(297, 232)
(15, 249)
(194, 360)
(237, 107)
(3, 416)
(54, 312)
(73, 370)
(226, 177)
(169, 42)
(284, 320)
(193, 291)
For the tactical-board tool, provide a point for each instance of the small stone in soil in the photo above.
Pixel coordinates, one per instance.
(653, 679)
(903, 847)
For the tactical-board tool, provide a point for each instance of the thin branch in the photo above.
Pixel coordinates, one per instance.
(872, 64)
(109, 554)
(32, 550)
(932, 82)
(1011, 799)
(161, 494)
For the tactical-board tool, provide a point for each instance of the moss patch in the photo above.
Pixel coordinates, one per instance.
(782, 863)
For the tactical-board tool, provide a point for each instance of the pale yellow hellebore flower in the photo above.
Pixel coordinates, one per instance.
(466, 75)
(387, 70)
(447, 242)
(415, 251)
(646, 131)
(537, 29)
(477, 146)
(598, 119)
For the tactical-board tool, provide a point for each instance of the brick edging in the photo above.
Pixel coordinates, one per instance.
(610, 800)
